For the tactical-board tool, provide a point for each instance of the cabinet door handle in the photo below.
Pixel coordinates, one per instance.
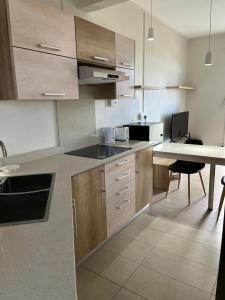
(138, 159)
(123, 163)
(123, 205)
(123, 177)
(53, 94)
(127, 96)
(100, 58)
(44, 46)
(123, 191)
(74, 217)
(125, 64)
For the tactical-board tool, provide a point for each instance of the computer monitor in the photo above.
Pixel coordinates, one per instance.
(179, 126)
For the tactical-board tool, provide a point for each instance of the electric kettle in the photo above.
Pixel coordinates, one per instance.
(109, 135)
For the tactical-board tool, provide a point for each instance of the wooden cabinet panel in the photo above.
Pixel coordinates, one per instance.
(45, 76)
(90, 211)
(125, 52)
(144, 177)
(37, 26)
(95, 43)
(125, 89)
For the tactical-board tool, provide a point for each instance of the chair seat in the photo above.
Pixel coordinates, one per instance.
(223, 180)
(186, 167)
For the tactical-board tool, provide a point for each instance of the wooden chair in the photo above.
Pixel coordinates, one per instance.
(222, 197)
(186, 167)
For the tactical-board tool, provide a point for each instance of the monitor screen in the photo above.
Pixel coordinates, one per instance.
(179, 126)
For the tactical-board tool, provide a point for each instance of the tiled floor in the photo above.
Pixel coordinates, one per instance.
(170, 252)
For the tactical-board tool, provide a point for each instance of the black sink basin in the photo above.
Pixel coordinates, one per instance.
(23, 184)
(25, 199)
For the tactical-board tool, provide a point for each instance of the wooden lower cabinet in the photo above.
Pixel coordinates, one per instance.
(90, 211)
(144, 177)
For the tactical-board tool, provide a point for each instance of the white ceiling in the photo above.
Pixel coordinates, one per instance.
(188, 17)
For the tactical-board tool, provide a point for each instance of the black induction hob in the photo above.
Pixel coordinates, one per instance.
(99, 151)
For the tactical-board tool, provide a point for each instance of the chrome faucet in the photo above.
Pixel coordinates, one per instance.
(4, 152)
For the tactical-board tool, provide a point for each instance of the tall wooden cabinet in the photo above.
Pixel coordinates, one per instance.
(144, 177)
(88, 191)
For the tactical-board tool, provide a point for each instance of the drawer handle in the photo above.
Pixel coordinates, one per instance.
(122, 192)
(123, 177)
(127, 96)
(123, 163)
(123, 205)
(53, 94)
(44, 46)
(125, 64)
(100, 58)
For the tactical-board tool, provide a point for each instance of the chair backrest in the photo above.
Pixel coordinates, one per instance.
(194, 141)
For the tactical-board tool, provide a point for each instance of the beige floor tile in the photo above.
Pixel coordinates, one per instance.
(162, 224)
(152, 285)
(136, 251)
(92, 287)
(120, 270)
(150, 236)
(144, 219)
(133, 230)
(119, 243)
(100, 261)
(210, 238)
(198, 252)
(126, 295)
(181, 268)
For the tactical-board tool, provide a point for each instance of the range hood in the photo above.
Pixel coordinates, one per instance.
(93, 76)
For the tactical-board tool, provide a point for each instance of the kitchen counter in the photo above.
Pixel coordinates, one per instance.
(37, 259)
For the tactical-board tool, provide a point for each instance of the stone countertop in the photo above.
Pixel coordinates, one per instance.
(37, 259)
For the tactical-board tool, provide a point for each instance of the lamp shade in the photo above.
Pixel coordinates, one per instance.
(208, 58)
(151, 34)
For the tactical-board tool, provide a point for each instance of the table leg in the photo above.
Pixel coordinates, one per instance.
(211, 186)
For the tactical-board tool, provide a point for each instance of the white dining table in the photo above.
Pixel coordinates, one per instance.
(213, 155)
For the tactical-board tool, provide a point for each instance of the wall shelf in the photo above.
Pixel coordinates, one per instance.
(140, 87)
(181, 87)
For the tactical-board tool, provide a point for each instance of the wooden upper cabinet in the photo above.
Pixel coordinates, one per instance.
(125, 52)
(44, 76)
(144, 177)
(37, 26)
(125, 89)
(94, 43)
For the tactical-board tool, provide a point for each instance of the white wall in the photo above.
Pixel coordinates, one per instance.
(78, 120)
(206, 104)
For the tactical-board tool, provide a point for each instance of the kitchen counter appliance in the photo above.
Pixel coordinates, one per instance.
(144, 131)
(99, 151)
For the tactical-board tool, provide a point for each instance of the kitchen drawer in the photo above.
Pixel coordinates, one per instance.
(120, 194)
(120, 209)
(44, 76)
(116, 167)
(40, 27)
(116, 182)
(95, 43)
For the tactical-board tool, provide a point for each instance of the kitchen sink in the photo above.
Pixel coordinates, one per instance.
(23, 184)
(25, 199)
